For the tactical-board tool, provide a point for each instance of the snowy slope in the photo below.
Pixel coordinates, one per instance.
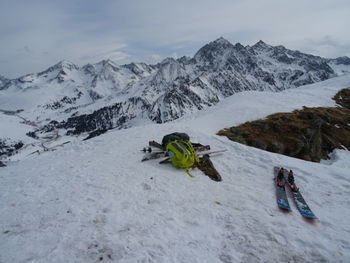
(95, 201)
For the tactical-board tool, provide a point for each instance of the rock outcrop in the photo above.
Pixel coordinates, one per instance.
(309, 134)
(343, 98)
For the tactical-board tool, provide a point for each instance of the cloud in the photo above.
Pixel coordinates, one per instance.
(36, 35)
(328, 46)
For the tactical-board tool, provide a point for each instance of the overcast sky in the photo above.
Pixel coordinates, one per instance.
(35, 34)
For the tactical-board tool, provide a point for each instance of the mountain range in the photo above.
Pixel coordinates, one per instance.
(94, 98)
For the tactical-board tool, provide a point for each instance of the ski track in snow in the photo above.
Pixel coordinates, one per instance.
(94, 201)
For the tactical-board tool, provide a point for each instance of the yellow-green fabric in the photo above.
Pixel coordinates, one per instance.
(182, 154)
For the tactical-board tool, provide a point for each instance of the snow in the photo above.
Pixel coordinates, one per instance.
(92, 201)
(252, 105)
(11, 128)
(35, 92)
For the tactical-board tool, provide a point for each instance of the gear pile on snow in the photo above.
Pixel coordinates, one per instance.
(182, 153)
(180, 150)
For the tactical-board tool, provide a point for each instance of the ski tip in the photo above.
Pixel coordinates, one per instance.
(311, 221)
(284, 206)
(285, 209)
(145, 159)
(310, 217)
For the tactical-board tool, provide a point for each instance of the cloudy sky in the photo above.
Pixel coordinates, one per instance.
(35, 34)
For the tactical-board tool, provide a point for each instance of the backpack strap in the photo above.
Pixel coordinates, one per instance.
(188, 172)
(190, 146)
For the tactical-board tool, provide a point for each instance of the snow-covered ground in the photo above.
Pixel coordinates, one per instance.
(94, 201)
(13, 127)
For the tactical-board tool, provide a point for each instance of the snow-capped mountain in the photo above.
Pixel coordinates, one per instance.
(101, 96)
(95, 201)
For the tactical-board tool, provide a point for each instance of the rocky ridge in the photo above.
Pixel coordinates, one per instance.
(310, 133)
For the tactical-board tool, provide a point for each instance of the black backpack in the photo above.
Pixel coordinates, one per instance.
(175, 136)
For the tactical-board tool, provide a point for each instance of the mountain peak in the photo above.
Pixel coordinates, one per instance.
(261, 45)
(260, 42)
(222, 41)
(239, 46)
(168, 60)
(213, 50)
(108, 63)
(60, 66)
(66, 64)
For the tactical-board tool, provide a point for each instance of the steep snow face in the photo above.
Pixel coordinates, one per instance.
(168, 71)
(94, 201)
(298, 68)
(107, 79)
(62, 71)
(106, 95)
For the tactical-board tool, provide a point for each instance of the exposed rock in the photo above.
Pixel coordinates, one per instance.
(310, 134)
(94, 134)
(341, 60)
(343, 98)
(235, 130)
(258, 144)
(315, 146)
(8, 148)
(296, 151)
(32, 135)
(105, 118)
(207, 167)
(238, 138)
(262, 126)
(276, 147)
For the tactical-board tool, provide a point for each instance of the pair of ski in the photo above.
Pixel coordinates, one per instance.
(156, 154)
(282, 200)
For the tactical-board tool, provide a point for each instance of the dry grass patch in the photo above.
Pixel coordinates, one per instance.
(309, 134)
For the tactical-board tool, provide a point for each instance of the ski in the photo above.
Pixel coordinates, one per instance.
(153, 155)
(150, 154)
(202, 153)
(281, 194)
(300, 202)
(155, 144)
(199, 153)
